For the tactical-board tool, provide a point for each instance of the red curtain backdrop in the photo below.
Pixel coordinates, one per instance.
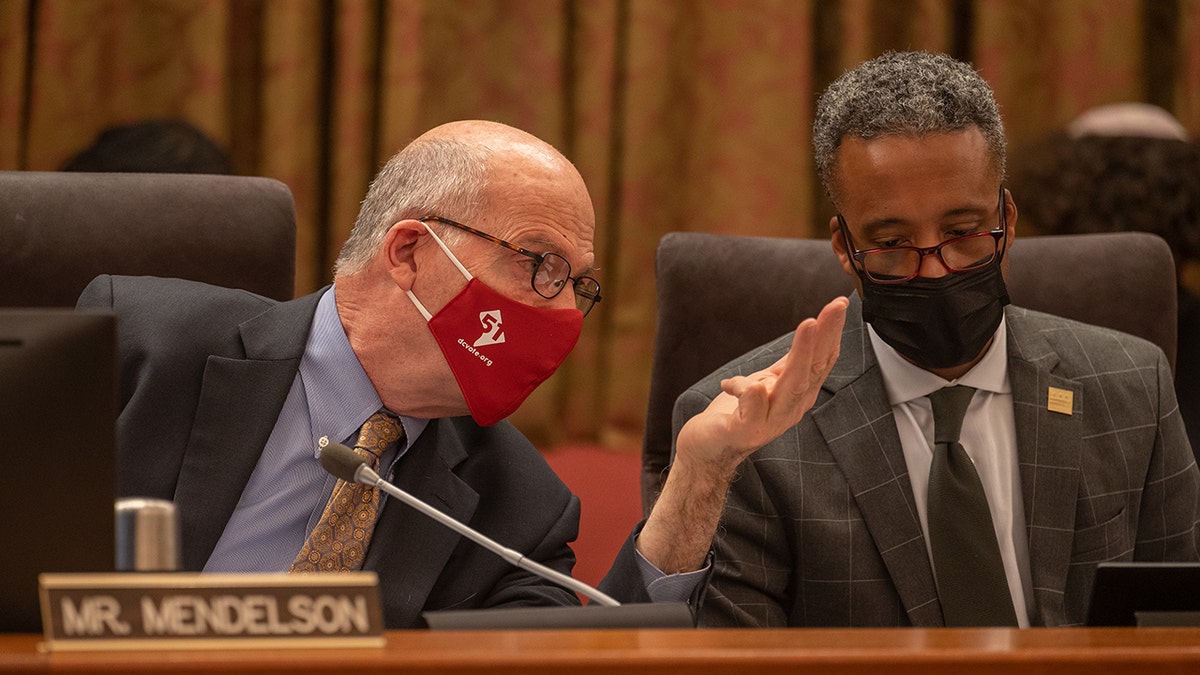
(681, 115)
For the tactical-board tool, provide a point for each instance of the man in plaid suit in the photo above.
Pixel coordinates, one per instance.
(1073, 430)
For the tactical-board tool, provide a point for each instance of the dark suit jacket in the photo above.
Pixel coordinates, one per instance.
(821, 528)
(204, 374)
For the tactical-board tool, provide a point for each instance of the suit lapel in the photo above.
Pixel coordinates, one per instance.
(858, 426)
(410, 550)
(1048, 453)
(240, 400)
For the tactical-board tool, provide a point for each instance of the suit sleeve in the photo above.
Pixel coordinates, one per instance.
(624, 579)
(751, 565)
(520, 588)
(1169, 520)
(633, 579)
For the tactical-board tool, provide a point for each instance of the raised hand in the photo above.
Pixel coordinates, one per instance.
(755, 409)
(750, 412)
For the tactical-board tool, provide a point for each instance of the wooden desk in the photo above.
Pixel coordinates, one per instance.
(1095, 651)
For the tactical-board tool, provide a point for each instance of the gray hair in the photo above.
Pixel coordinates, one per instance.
(432, 176)
(904, 93)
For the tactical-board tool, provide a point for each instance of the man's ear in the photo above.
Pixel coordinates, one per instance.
(399, 251)
(839, 246)
(1010, 217)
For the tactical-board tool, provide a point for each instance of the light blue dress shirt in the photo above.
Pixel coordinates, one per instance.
(287, 492)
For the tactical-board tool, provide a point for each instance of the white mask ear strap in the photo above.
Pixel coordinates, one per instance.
(445, 248)
(417, 303)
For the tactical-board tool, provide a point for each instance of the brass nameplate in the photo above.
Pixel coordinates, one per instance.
(210, 611)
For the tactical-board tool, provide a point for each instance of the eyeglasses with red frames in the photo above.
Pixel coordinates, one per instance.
(897, 264)
(551, 271)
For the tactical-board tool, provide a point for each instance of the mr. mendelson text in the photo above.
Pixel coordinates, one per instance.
(187, 615)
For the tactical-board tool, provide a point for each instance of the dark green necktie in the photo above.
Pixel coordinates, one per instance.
(972, 587)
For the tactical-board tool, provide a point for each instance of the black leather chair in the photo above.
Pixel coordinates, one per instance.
(720, 296)
(59, 230)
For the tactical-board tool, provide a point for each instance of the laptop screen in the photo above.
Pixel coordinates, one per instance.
(57, 459)
(1145, 593)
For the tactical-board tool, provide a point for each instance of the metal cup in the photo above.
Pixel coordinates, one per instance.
(147, 532)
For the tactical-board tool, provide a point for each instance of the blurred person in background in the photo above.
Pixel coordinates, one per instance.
(152, 146)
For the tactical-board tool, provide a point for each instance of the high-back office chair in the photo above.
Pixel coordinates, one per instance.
(720, 296)
(59, 230)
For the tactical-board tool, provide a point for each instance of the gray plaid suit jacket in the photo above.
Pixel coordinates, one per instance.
(821, 529)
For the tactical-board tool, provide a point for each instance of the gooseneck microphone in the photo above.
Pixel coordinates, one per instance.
(347, 465)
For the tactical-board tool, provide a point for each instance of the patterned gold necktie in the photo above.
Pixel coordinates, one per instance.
(339, 541)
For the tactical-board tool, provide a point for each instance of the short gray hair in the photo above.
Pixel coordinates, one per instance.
(904, 93)
(432, 176)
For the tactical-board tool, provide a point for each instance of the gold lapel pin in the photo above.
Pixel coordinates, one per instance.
(1060, 400)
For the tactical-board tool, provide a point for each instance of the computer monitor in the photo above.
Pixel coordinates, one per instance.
(1145, 594)
(57, 422)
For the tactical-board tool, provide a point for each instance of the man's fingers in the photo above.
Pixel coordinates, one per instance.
(829, 333)
(753, 407)
(813, 352)
(763, 404)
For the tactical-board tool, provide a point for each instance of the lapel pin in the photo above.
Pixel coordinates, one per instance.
(1060, 400)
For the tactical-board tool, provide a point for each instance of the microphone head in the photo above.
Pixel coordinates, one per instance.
(341, 461)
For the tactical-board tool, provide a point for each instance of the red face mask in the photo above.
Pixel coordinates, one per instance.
(499, 349)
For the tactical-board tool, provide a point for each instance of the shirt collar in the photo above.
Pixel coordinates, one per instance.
(905, 381)
(339, 393)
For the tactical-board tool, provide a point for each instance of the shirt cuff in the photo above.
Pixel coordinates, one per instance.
(663, 587)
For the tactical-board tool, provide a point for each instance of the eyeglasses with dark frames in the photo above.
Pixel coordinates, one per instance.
(551, 271)
(897, 264)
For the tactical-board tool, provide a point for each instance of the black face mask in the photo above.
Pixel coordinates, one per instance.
(937, 323)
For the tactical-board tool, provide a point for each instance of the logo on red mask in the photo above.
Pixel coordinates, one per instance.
(491, 329)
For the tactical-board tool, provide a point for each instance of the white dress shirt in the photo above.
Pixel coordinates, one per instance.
(988, 436)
